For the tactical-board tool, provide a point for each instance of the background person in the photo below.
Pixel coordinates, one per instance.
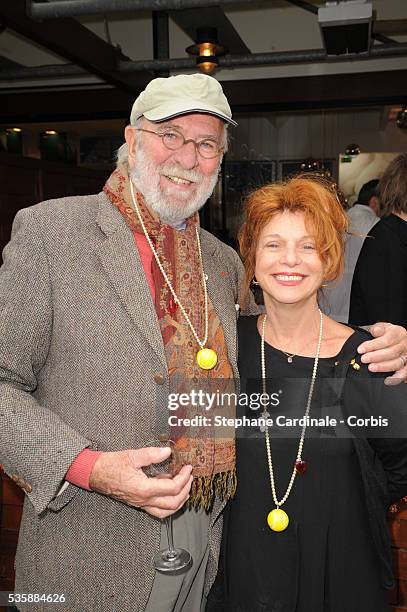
(364, 214)
(379, 287)
(362, 217)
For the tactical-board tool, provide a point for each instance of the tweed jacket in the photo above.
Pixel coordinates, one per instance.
(82, 364)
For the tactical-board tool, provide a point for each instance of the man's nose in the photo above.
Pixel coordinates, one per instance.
(187, 156)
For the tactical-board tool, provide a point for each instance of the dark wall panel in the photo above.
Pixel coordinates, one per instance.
(25, 181)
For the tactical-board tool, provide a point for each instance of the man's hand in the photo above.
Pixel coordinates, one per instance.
(387, 352)
(119, 475)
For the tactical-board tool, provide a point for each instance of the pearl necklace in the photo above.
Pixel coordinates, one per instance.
(277, 519)
(206, 358)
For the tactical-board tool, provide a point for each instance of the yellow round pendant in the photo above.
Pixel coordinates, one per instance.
(206, 358)
(277, 520)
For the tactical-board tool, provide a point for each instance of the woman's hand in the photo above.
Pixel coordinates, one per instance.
(387, 352)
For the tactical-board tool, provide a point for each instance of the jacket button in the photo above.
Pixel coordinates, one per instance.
(28, 488)
(159, 379)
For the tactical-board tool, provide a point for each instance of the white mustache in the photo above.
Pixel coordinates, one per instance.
(187, 175)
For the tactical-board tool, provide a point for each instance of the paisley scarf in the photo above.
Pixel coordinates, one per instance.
(212, 454)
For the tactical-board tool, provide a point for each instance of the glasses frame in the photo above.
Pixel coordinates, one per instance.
(196, 143)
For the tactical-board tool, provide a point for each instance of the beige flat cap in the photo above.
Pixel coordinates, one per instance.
(164, 98)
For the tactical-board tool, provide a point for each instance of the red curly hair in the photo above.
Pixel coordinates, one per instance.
(325, 219)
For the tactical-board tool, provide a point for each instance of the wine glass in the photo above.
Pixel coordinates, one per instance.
(171, 559)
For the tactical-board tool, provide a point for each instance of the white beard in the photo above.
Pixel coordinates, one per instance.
(145, 176)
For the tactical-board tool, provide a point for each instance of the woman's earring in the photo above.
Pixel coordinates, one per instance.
(257, 292)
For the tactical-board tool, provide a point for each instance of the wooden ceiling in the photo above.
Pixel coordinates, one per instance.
(76, 44)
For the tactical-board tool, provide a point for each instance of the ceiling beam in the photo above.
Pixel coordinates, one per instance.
(76, 8)
(161, 39)
(74, 42)
(53, 71)
(384, 39)
(5, 62)
(390, 26)
(275, 58)
(250, 59)
(254, 95)
(317, 92)
(307, 6)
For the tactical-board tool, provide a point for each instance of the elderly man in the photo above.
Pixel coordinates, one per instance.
(105, 301)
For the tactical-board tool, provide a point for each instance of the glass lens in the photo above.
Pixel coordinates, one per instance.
(208, 148)
(173, 139)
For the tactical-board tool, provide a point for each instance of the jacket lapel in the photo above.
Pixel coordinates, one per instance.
(121, 261)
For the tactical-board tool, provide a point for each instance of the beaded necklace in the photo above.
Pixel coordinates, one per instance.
(278, 519)
(206, 357)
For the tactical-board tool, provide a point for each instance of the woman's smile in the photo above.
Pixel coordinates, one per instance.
(288, 279)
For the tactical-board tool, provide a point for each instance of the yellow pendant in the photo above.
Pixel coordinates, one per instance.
(206, 358)
(278, 520)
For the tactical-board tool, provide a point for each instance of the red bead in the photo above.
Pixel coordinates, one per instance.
(301, 466)
(172, 306)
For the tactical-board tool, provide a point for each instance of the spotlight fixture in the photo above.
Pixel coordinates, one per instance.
(13, 140)
(325, 172)
(352, 150)
(207, 48)
(316, 166)
(53, 145)
(402, 118)
(310, 165)
(346, 26)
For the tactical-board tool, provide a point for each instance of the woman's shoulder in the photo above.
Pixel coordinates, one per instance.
(345, 342)
(351, 358)
(340, 338)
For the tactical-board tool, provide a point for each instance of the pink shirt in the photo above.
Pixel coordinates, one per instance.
(81, 467)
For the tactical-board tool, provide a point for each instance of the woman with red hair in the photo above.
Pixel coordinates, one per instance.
(320, 447)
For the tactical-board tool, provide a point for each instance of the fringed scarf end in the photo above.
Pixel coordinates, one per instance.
(205, 488)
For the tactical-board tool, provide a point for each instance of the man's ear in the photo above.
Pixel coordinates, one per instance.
(131, 138)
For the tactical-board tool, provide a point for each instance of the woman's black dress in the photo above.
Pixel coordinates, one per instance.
(325, 561)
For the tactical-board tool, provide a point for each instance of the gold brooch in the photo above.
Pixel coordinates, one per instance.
(354, 365)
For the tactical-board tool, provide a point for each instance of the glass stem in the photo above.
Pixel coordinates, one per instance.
(171, 553)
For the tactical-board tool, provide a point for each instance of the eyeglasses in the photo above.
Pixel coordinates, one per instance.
(173, 140)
